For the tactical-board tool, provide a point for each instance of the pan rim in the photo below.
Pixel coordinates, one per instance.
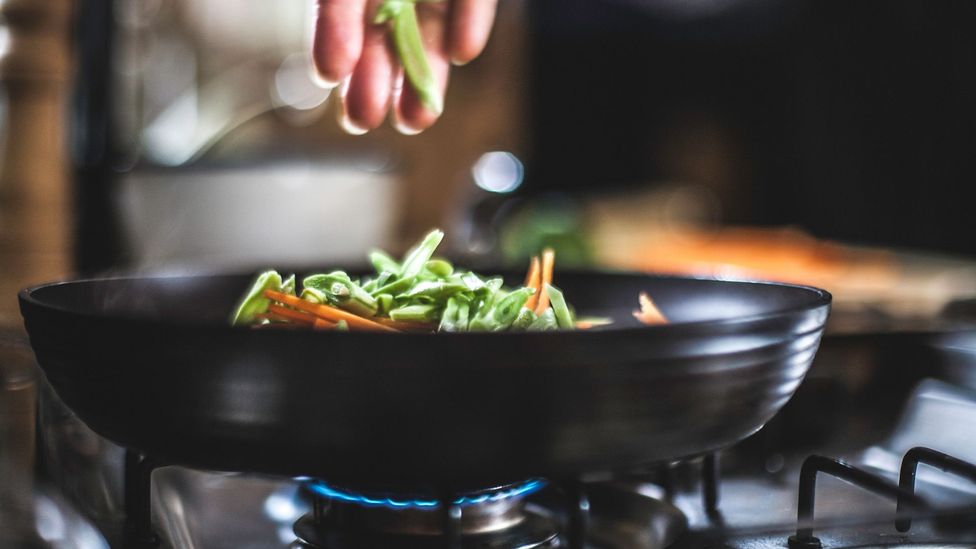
(820, 298)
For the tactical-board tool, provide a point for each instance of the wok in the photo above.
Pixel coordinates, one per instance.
(151, 364)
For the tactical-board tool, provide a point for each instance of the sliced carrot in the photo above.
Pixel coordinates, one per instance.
(533, 280)
(407, 326)
(326, 312)
(291, 315)
(649, 313)
(548, 259)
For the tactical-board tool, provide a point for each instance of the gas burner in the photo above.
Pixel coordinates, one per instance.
(345, 519)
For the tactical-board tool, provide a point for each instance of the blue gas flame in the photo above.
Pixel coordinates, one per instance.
(325, 490)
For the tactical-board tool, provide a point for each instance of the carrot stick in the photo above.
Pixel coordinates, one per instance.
(407, 326)
(291, 314)
(328, 313)
(533, 280)
(649, 313)
(548, 259)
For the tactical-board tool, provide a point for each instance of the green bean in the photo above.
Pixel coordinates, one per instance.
(383, 263)
(524, 319)
(545, 322)
(461, 322)
(449, 317)
(508, 307)
(342, 291)
(415, 313)
(418, 257)
(563, 317)
(439, 268)
(402, 18)
(288, 286)
(254, 302)
(435, 289)
(342, 326)
(384, 302)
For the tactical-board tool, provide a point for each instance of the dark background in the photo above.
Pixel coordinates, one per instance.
(853, 119)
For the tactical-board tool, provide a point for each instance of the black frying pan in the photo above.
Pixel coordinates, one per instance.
(151, 364)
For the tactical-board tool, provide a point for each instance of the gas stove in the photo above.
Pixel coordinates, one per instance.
(862, 457)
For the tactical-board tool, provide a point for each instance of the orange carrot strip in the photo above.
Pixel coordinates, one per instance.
(328, 313)
(407, 326)
(291, 314)
(548, 259)
(649, 313)
(533, 280)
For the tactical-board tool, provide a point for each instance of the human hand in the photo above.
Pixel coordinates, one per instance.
(351, 51)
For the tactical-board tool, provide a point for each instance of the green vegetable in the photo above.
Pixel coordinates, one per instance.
(563, 317)
(383, 263)
(420, 291)
(439, 268)
(254, 302)
(524, 319)
(340, 290)
(401, 15)
(415, 313)
(546, 321)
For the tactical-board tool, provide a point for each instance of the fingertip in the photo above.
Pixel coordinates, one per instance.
(411, 116)
(471, 22)
(338, 39)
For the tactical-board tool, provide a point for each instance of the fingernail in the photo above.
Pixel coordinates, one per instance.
(404, 129)
(322, 81)
(459, 63)
(348, 125)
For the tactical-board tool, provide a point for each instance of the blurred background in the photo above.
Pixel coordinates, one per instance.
(816, 141)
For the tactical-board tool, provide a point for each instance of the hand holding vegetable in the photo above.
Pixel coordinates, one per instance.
(396, 54)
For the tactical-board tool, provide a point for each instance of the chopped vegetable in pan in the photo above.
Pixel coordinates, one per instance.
(418, 293)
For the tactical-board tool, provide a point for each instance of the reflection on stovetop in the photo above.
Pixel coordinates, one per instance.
(194, 509)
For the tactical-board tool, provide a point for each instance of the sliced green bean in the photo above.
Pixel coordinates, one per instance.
(419, 256)
(415, 313)
(439, 268)
(545, 322)
(449, 317)
(563, 317)
(524, 319)
(288, 286)
(508, 307)
(383, 263)
(254, 302)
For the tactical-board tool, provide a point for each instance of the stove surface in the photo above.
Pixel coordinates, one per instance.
(202, 510)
